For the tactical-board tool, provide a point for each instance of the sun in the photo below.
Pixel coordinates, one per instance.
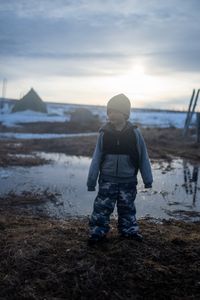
(135, 77)
(138, 70)
(134, 80)
(138, 83)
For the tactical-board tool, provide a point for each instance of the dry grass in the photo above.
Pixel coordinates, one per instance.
(49, 259)
(41, 258)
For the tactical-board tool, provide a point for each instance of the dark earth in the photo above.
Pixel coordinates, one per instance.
(43, 258)
(49, 259)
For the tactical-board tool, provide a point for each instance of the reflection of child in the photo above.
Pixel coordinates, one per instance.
(120, 152)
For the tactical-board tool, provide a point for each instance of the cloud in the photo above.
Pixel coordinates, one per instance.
(82, 38)
(175, 61)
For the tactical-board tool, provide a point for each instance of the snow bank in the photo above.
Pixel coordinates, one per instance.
(12, 135)
(61, 113)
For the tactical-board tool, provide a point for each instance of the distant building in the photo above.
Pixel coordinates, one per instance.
(31, 101)
(83, 116)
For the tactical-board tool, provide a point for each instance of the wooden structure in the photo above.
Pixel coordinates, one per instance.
(190, 113)
(198, 127)
(31, 101)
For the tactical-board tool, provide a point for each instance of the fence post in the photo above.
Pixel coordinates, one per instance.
(188, 114)
(198, 126)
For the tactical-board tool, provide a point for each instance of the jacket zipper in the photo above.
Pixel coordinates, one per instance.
(117, 158)
(117, 166)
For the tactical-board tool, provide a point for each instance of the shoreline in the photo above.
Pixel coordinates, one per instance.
(162, 143)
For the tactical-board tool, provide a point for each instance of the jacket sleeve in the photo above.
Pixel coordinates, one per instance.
(144, 162)
(95, 164)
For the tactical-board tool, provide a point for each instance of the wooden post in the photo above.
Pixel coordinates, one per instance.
(198, 127)
(188, 115)
(194, 106)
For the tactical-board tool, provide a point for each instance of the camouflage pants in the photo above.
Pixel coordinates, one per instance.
(109, 194)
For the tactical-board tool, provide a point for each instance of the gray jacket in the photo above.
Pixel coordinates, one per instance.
(119, 168)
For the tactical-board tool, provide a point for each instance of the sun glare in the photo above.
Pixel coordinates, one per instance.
(135, 78)
(138, 84)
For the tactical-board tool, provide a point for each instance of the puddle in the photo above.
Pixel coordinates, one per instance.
(14, 135)
(175, 192)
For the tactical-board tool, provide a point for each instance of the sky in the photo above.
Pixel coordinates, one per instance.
(86, 51)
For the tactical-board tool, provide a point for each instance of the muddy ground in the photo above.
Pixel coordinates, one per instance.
(41, 258)
(162, 143)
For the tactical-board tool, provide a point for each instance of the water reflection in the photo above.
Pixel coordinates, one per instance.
(190, 180)
(175, 192)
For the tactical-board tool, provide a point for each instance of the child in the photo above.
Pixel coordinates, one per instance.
(120, 152)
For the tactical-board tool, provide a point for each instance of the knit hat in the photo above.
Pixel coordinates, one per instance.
(120, 103)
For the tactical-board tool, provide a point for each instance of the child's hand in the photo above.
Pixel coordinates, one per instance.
(91, 188)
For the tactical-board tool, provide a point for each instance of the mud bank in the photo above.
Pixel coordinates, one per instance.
(163, 143)
(48, 259)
